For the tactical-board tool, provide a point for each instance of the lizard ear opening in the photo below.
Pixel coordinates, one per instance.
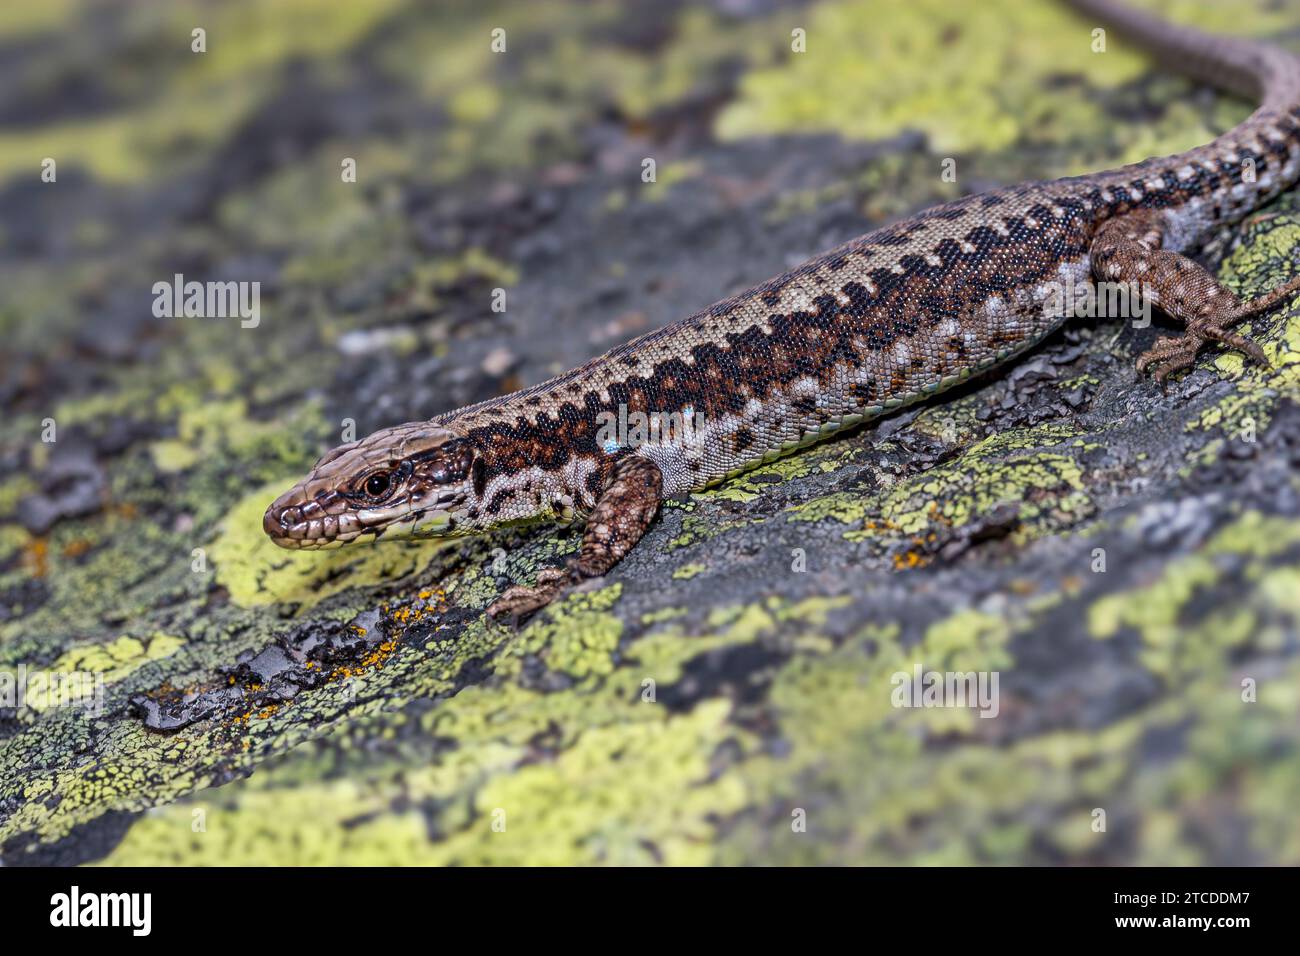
(478, 473)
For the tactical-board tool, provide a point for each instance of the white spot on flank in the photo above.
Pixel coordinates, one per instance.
(1186, 172)
(1071, 271)
(1001, 229)
(967, 247)
(807, 386)
(933, 260)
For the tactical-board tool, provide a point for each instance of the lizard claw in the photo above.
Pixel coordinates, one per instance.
(1170, 355)
(1235, 340)
(520, 601)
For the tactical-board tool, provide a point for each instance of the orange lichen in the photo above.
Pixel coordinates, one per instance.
(75, 549)
(36, 555)
(430, 603)
(909, 560)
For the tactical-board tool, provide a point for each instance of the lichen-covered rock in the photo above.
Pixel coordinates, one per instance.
(1125, 559)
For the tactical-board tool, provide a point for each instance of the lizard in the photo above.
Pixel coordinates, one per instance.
(890, 318)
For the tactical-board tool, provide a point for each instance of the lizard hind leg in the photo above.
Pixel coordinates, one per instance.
(622, 514)
(1128, 250)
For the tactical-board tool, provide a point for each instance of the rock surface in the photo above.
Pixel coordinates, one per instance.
(1126, 560)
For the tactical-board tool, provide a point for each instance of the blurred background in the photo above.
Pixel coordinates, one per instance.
(1125, 559)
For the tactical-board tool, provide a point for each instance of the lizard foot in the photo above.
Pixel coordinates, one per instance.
(520, 600)
(1170, 355)
(622, 514)
(1130, 249)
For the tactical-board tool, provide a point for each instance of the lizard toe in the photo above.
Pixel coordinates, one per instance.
(522, 600)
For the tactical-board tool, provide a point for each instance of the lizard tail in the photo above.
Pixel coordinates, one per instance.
(1259, 71)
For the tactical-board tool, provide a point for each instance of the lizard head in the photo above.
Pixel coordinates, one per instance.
(411, 481)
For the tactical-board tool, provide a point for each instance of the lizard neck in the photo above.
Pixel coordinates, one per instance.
(538, 465)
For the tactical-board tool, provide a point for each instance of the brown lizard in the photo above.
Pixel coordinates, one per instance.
(891, 317)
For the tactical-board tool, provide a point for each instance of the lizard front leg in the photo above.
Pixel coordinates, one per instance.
(621, 516)
(1129, 250)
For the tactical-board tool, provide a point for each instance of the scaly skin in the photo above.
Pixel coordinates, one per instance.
(894, 316)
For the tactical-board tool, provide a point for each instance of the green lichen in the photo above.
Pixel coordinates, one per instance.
(578, 637)
(19, 20)
(698, 528)
(210, 93)
(989, 97)
(668, 176)
(1006, 468)
(206, 429)
(118, 658)
(754, 484)
(1158, 610)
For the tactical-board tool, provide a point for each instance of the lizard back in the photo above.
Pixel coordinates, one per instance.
(891, 317)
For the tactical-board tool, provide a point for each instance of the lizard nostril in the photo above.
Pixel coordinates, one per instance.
(277, 521)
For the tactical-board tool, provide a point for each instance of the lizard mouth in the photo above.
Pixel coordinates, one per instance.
(331, 521)
(298, 524)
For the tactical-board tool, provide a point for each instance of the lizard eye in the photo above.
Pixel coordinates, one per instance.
(377, 485)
